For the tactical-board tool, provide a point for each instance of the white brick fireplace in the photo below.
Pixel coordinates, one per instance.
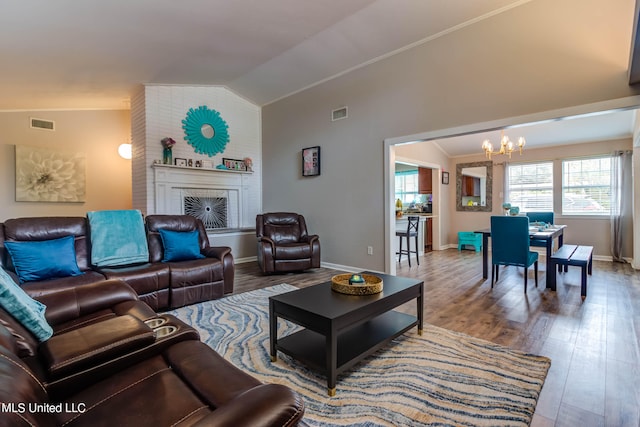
(227, 201)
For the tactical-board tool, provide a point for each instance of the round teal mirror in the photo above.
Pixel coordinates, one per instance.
(205, 131)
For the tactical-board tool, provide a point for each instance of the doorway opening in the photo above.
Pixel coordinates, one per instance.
(390, 159)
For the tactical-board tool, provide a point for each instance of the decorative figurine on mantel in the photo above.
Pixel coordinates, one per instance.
(248, 163)
(167, 154)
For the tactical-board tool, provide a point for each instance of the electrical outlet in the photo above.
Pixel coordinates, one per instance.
(369, 250)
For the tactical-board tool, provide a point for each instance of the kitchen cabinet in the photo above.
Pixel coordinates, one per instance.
(428, 238)
(470, 186)
(425, 184)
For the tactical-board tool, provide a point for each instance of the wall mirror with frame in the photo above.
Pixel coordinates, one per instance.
(474, 183)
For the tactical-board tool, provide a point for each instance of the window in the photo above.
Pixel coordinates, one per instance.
(407, 186)
(530, 186)
(586, 186)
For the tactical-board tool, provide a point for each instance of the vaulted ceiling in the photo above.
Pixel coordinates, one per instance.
(92, 54)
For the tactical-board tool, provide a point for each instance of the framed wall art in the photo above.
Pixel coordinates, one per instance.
(311, 161)
(46, 175)
(445, 178)
(180, 162)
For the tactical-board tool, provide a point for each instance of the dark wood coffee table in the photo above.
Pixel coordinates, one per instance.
(340, 330)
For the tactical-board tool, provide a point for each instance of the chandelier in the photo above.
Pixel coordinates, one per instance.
(506, 146)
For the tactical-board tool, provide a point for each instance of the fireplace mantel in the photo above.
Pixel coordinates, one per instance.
(205, 170)
(172, 183)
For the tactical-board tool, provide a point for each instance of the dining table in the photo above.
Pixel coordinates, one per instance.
(547, 234)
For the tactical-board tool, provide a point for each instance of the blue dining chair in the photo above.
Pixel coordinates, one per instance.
(510, 246)
(547, 218)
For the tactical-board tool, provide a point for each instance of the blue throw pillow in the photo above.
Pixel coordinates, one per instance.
(46, 259)
(180, 245)
(26, 310)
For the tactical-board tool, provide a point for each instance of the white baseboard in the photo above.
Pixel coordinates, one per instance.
(347, 268)
(245, 259)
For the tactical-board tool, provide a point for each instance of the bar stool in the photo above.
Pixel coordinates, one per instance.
(412, 231)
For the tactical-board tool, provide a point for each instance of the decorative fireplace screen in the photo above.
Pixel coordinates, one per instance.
(210, 206)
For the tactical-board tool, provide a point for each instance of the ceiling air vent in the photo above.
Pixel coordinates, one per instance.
(42, 124)
(340, 113)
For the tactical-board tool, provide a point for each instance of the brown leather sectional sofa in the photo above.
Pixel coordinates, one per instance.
(161, 285)
(113, 361)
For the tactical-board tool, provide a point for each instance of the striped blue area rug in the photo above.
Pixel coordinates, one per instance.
(441, 378)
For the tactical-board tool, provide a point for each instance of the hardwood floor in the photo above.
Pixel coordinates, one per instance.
(594, 378)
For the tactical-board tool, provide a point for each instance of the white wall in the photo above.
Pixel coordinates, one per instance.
(158, 111)
(97, 134)
(160, 115)
(544, 55)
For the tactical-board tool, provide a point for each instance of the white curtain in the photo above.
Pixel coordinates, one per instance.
(505, 183)
(620, 189)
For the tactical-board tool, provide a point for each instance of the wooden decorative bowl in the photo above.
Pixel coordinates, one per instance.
(372, 285)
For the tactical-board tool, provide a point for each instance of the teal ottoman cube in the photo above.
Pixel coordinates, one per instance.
(469, 238)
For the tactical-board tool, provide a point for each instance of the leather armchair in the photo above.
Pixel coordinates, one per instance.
(284, 244)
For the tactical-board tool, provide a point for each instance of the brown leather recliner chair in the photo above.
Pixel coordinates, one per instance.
(46, 228)
(192, 280)
(284, 244)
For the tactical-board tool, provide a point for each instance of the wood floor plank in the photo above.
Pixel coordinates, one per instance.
(586, 382)
(622, 394)
(570, 416)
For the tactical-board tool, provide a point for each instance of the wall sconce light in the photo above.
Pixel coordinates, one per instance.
(125, 151)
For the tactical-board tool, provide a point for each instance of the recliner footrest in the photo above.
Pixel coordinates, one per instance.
(87, 346)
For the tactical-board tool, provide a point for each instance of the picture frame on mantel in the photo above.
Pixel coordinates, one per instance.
(234, 164)
(311, 161)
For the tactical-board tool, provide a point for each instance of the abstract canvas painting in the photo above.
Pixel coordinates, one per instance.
(45, 175)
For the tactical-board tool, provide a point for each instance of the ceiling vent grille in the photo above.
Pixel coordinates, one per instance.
(339, 114)
(42, 124)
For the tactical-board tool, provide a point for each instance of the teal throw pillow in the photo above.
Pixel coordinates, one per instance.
(45, 259)
(180, 245)
(26, 310)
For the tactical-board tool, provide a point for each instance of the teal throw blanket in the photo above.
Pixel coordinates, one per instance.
(118, 237)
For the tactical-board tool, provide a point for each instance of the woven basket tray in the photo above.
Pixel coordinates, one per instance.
(340, 283)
